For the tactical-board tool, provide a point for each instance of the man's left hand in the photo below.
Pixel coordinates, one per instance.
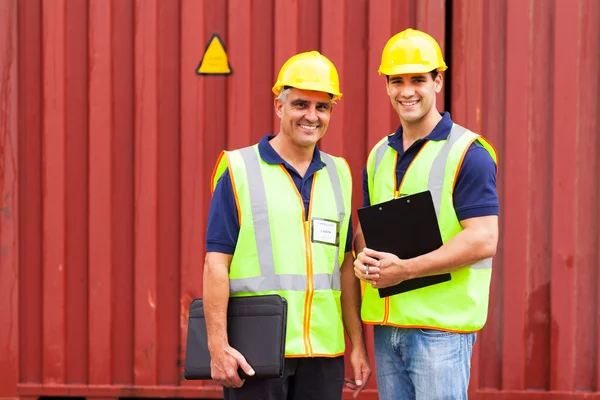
(391, 270)
(366, 268)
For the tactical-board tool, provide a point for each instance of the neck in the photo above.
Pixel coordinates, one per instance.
(292, 153)
(412, 131)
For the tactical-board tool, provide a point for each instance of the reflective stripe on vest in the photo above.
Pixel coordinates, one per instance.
(379, 153)
(269, 280)
(457, 305)
(437, 175)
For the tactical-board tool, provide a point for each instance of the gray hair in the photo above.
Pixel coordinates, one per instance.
(284, 95)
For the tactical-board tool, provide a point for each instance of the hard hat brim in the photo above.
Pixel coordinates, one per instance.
(409, 69)
(277, 89)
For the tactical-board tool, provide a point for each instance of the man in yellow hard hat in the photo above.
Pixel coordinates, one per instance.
(424, 337)
(280, 223)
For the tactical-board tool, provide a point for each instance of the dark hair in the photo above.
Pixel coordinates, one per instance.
(433, 74)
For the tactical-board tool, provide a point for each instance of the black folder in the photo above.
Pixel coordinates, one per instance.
(407, 227)
(256, 327)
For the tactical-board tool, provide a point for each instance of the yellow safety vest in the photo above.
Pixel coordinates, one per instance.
(461, 304)
(275, 251)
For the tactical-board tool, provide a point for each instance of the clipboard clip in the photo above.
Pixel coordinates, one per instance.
(398, 195)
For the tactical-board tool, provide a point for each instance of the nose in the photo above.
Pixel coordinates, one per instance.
(311, 114)
(407, 91)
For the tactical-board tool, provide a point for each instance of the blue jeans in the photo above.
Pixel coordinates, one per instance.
(422, 364)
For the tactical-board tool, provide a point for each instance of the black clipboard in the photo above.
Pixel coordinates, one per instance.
(256, 327)
(407, 227)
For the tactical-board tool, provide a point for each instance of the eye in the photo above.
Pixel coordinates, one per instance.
(300, 104)
(323, 107)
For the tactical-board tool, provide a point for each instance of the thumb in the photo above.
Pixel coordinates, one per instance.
(241, 360)
(365, 375)
(373, 253)
(358, 377)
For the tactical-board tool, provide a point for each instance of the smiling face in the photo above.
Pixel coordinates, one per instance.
(413, 95)
(304, 116)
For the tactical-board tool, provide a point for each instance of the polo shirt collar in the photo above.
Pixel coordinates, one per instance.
(440, 132)
(270, 156)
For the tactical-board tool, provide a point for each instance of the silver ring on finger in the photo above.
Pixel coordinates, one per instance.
(367, 273)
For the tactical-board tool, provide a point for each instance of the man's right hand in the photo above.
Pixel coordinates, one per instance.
(224, 366)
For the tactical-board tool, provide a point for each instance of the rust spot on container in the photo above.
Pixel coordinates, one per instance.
(569, 261)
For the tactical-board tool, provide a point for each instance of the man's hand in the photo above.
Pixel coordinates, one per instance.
(224, 366)
(380, 269)
(225, 360)
(361, 368)
(366, 268)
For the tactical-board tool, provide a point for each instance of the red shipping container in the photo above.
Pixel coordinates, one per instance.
(108, 139)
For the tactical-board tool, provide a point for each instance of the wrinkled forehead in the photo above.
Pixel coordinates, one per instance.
(311, 96)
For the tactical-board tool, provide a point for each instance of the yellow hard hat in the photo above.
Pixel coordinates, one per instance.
(309, 71)
(411, 52)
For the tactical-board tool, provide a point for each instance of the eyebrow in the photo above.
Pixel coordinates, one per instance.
(412, 77)
(319, 103)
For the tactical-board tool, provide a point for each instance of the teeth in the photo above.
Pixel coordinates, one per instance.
(408, 104)
(309, 127)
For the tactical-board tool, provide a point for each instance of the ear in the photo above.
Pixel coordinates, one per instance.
(387, 86)
(439, 82)
(278, 104)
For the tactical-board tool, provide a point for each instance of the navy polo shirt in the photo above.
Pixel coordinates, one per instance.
(223, 223)
(475, 188)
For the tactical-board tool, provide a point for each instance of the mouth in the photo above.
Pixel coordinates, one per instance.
(409, 104)
(309, 127)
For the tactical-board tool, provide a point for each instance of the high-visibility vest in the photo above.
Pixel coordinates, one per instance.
(275, 251)
(461, 304)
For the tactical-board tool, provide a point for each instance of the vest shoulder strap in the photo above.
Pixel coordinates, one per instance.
(224, 161)
(339, 163)
(376, 154)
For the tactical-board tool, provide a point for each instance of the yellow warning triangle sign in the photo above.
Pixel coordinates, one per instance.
(214, 61)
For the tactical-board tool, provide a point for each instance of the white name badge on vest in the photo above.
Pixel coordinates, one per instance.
(325, 231)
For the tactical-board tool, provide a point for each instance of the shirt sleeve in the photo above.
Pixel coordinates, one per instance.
(475, 189)
(223, 225)
(366, 200)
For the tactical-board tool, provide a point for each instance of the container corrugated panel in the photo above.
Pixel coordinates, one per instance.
(526, 76)
(9, 227)
(108, 140)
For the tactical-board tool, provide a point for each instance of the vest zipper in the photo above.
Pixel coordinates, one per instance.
(309, 270)
(386, 301)
(309, 289)
(386, 311)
